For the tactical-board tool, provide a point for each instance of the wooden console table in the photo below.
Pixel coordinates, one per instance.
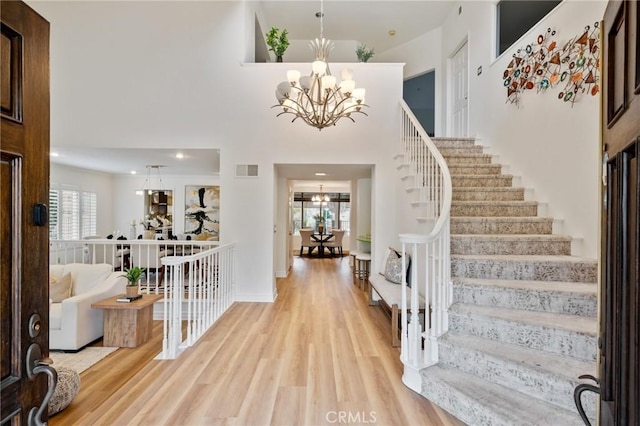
(127, 325)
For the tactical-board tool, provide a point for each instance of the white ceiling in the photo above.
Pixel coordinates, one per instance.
(124, 160)
(366, 21)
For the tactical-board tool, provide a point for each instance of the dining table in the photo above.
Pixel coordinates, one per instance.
(321, 238)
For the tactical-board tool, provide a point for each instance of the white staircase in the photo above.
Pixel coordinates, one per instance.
(522, 326)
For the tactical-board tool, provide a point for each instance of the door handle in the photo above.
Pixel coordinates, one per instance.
(577, 393)
(36, 364)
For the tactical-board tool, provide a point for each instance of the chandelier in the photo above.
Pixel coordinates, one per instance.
(320, 198)
(317, 99)
(147, 182)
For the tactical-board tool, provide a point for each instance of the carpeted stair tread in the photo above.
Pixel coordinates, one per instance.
(567, 367)
(480, 402)
(549, 377)
(516, 225)
(583, 325)
(501, 193)
(525, 267)
(530, 258)
(540, 244)
(560, 287)
(493, 203)
(544, 296)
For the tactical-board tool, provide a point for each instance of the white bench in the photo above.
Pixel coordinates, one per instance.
(391, 298)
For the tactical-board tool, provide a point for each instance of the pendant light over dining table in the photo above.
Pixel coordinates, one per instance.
(318, 99)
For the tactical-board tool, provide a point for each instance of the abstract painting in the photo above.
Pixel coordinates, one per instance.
(202, 212)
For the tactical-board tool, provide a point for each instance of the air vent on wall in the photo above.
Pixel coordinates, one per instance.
(246, 170)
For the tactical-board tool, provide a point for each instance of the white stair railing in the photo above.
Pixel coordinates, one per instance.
(430, 254)
(199, 289)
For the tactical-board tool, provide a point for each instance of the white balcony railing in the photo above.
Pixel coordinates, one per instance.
(123, 254)
(430, 254)
(196, 278)
(198, 290)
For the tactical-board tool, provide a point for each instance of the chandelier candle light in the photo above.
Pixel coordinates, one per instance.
(317, 99)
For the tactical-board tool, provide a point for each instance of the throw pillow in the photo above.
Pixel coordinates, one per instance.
(60, 289)
(393, 267)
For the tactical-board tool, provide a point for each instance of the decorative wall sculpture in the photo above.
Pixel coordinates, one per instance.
(202, 212)
(544, 64)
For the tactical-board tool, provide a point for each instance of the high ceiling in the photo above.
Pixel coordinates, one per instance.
(368, 22)
(365, 21)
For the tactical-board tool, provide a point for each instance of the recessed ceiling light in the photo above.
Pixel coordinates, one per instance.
(133, 172)
(392, 32)
(180, 155)
(321, 174)
(54, 154)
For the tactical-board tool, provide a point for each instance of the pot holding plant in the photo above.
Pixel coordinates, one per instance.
(133, 276)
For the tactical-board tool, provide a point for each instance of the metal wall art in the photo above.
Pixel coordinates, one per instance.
(544, 64)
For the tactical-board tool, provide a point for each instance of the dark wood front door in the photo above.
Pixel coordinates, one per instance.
(24, 174)
(620, 293)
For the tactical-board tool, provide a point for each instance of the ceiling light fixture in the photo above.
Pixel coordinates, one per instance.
(180, 156)
(320, 174)
(321, 197)
(133, 172)
(54, 154)
(317, 99)
(147, 182)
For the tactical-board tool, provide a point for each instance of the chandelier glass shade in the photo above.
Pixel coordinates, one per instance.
(319, 99)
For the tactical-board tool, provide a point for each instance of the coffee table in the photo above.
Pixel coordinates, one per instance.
(129, 324)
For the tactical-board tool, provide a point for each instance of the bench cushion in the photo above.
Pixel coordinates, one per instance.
(389, 292)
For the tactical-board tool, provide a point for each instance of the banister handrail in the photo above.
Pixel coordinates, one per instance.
(429, 252)
(447, 187)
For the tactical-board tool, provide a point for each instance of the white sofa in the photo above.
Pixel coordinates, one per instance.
(73, 323)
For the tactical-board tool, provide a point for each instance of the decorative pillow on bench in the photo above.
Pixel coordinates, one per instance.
(393, 267)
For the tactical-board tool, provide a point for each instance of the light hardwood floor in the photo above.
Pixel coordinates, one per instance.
(319, 355)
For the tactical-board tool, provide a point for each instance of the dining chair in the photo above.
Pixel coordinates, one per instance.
(335, 242)
(307, 241)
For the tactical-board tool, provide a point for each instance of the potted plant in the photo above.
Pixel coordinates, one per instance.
(277, 42)
(133, 277)
(363, 53)
(320, 222)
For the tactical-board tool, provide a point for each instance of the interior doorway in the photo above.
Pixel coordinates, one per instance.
(419, 93)
(458, 122)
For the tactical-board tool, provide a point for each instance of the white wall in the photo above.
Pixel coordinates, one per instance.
(129, 206)
(421, 55)
(553, 147)
(121, 79)
(88, 180)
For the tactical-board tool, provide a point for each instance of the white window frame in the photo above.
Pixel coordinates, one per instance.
(73, 212)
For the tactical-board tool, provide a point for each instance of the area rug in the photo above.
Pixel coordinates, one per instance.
(82, 360)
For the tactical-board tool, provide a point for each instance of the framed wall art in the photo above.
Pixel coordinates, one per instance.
(202, 212)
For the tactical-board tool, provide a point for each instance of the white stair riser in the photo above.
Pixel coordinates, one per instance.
(528, 300)
(487, 181)
(488, 194)
(493, 210)
(523, 247)
(529, 270)
(558, 341)
(540, 384)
